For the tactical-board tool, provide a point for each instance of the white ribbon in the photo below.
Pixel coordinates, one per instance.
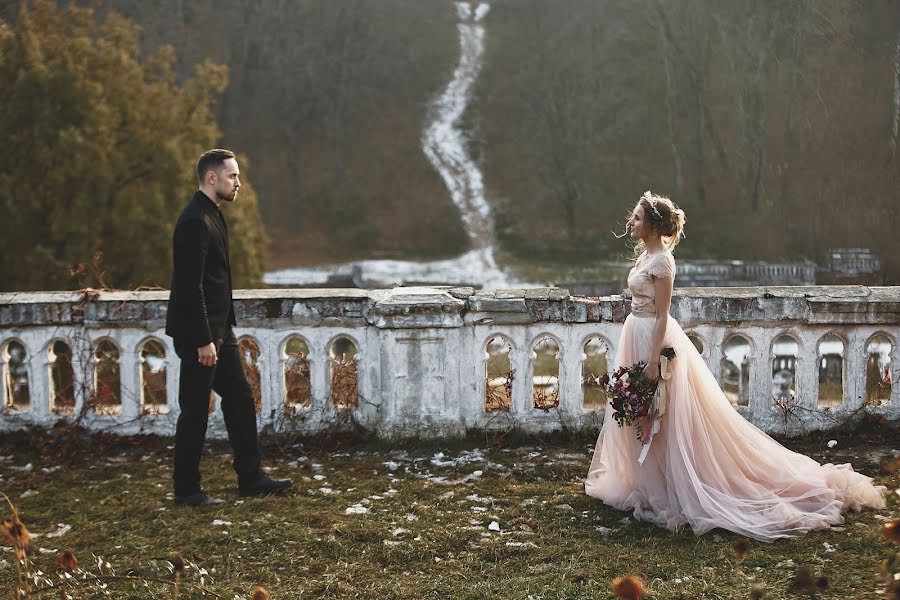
(658, 405)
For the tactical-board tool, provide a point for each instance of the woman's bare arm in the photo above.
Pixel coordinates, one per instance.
(663, 286)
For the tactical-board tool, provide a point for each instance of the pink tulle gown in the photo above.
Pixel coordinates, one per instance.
(708, 467)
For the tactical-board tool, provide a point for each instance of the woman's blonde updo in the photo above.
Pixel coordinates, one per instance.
(663, 216)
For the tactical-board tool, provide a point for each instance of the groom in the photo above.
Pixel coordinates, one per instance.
(200, 320)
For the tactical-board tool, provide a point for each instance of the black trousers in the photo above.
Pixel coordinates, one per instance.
(227, 378)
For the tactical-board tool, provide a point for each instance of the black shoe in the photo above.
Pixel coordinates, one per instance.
(264, 486)
(198, 499)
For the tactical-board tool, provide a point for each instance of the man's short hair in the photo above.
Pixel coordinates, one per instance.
(212, 160)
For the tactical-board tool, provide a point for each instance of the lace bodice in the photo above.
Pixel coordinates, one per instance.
(641, 280)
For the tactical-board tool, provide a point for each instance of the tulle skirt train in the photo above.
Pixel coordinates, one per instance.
(709, 467)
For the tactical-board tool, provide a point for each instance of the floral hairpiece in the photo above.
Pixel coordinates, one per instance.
(651, 200)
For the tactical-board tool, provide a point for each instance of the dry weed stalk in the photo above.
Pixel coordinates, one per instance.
(72, 576)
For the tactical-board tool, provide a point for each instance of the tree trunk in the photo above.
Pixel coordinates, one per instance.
(895, 117)
(670, 117)
(700, 158)
(294, 170)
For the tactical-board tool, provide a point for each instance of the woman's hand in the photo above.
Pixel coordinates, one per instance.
(652, 371)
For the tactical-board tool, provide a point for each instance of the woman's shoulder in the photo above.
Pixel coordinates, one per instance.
(661, 264)
(663, 255)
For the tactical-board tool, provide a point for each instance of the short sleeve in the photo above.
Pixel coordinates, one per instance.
(662, 267)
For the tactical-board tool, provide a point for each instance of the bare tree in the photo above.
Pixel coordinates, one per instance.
(895, 113)
(687, 31)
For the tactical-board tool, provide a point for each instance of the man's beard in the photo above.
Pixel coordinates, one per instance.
(230, 198)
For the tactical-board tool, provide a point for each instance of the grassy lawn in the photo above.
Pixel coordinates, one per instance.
(460, 519)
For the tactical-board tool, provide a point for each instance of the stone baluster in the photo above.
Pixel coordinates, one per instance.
(712, 346)
(521, 400)
(761, 371)
(130, 374)
(275, 350)
(807, 370)
(571, 356)
(39, 377)
(82, 369)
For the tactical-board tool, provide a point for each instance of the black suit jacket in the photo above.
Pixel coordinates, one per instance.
(201, 309)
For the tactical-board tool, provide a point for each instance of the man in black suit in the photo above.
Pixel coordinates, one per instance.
(199, 320)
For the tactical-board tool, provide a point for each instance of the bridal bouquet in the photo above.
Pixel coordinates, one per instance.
(634, 397)
(630, 395)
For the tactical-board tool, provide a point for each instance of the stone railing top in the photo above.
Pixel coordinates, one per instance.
(417, 307)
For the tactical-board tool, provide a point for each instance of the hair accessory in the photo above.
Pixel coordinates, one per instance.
(651, 200)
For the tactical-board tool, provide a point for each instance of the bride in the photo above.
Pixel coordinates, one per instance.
(707, 467)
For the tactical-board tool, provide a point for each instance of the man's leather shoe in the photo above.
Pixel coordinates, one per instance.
(264, 486)
(198, 499)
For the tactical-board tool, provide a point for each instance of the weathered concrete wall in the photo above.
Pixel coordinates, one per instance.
(420, 361)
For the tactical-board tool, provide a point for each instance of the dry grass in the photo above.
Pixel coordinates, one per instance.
(406, 521)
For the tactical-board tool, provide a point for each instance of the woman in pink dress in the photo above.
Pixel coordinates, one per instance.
(707, 467)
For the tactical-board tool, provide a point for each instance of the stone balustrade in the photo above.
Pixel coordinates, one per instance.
(703, 273)
(443, 361)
